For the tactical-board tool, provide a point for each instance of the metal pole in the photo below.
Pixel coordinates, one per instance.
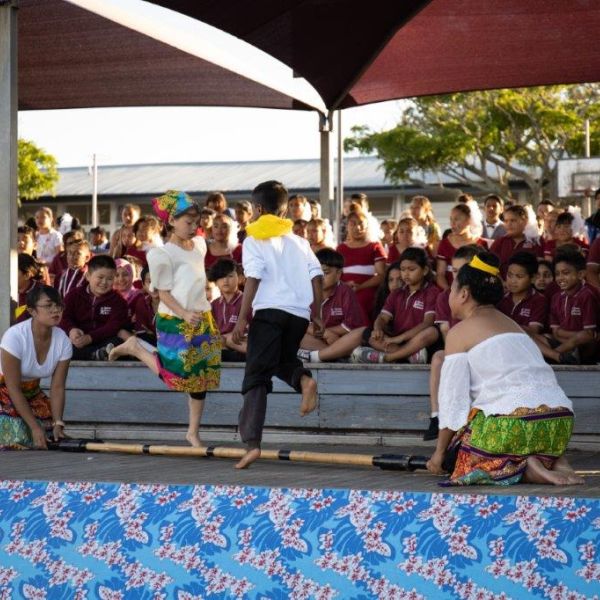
(326, 166)
(94, 191)
(339, 203)
(587, 138)
(587, 200)
(8, 162)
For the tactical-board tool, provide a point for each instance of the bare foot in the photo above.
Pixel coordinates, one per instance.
(536, 472)
(127, 348)
(193, 439)
(562, 466)
(248, 458)
(309, 395)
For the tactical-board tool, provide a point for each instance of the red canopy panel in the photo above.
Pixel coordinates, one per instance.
(460, 45)
(72, 58)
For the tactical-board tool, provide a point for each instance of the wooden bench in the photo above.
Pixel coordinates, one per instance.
(373, 404)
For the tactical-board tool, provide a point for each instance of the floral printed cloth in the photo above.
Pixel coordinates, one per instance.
(113, 541)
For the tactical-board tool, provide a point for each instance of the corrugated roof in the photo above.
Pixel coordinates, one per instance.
(362, 172)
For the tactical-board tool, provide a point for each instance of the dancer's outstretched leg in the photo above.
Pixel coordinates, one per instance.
(133, 347)
(196, 408)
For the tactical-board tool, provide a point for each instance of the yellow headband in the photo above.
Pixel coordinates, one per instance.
(477, 263)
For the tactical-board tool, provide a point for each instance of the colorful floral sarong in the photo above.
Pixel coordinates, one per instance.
(14, 432)
(494, 450)
(189, 357)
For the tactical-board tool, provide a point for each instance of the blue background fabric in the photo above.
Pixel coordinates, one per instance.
(113, 541)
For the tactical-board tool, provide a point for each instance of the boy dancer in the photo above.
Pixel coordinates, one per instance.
(283, 277)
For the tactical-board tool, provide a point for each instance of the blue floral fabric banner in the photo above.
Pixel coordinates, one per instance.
(114, 541)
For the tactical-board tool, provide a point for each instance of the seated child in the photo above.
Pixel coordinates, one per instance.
(410, 311)
(226, 308)
(522, 302)
(544, 276)
(392, 280)
(78, 254)
(59, 263)
(29, 276)
(563, 234)
(143, 310)
(573, 314)
(515, 222)
(404, 237)
(343, 319)
(445, 321)
(25, 240)
(593, 264)
(94, 313)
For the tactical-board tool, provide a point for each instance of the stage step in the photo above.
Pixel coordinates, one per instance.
(376, 403)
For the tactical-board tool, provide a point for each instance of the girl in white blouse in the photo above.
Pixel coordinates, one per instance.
(30, 351)
(503, 417)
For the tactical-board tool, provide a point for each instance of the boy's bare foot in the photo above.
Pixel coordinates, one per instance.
(309, 395)
(127, 348)
(563, 466)
(536, 472)
(193, 439)
(248, 458)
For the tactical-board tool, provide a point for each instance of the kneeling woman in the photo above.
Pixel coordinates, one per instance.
(30, 351)
(503, 417)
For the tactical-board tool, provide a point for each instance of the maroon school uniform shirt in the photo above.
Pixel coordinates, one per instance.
(58, 265)
(443, 314)
(342, 308)
(69, 279)
(505, 247)
(532, 310)
(549, 248)
(446, 252)
(594, 254)
(226, 313)
(142, 314)
(100, 317)
(575, 311)
(408, 309)
(210, 259)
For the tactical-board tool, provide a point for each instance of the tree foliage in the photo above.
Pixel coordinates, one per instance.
(37, 172)
(486, 139)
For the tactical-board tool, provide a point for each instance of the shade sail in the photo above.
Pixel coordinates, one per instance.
(72, 58)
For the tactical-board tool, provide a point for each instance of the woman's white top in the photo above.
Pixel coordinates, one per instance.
(182, 273)
(18, 341)
(47, 245)
(499, 375)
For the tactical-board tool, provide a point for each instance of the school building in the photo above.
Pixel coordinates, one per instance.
(122, 184)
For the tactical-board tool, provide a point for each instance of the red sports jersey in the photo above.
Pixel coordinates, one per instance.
(408, 309)
(575, 311)
(532, 310)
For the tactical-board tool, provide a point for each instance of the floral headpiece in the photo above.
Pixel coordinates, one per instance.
(173, 204)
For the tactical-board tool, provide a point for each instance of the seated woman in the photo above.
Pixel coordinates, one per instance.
(502, 414)
(30, 351)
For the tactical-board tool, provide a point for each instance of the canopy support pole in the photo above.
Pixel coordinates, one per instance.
(326, 197)
(339, 188)
(8, 162)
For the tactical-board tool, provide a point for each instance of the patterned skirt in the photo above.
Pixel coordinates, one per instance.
(14, 432)
(494, 450)
(189, 356)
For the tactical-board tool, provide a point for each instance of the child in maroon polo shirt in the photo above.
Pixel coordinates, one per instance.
(411, 311)
(343, 318)
(593, 264)
(522, 303)
(515, 222)
(143, 308)
(573, 314)
(94, 313)
(226, 308)
(563, 234)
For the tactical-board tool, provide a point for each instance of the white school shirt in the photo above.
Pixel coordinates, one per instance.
(286, 266)
(18, 341)
(182, 273)
(499, 375)
(46, 245)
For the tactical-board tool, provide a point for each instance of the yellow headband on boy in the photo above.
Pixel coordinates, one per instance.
(477, 263)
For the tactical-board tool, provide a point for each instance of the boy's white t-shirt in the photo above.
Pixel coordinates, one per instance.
(47, 244)
(286, 267)
(18, 341)
(182, 273)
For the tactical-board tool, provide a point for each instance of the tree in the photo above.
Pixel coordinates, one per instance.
(486, 139)
(37, 172)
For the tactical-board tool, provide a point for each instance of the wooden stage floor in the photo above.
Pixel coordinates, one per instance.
(60, 466)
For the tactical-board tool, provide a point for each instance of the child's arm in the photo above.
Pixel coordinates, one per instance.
(407, 335)
(317, 318)
(380, 324)
(374, 281)
(117, 321)
(250, 289)
(190, 316)
(440, 274)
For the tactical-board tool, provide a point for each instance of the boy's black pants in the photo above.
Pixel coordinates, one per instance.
(273, 341)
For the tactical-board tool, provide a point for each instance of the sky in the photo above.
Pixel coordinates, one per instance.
(187, 134)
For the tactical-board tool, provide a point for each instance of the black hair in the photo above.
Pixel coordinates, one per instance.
(101, 261)
(143, 274)
(416, 255)
(208, 211)
(272, 196)
(383, 291)
(517, 210)
(463, 208)
(485, 288)
(571, 257)
(468, 251)
(29, 266)
(98, 230)
(565, 218)
(545, 263)
(546, 202)
(526, 260)
(493, 197)
(330, 258)
(26, 230)
(222, 268)
(33, 297)
(597, 193)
